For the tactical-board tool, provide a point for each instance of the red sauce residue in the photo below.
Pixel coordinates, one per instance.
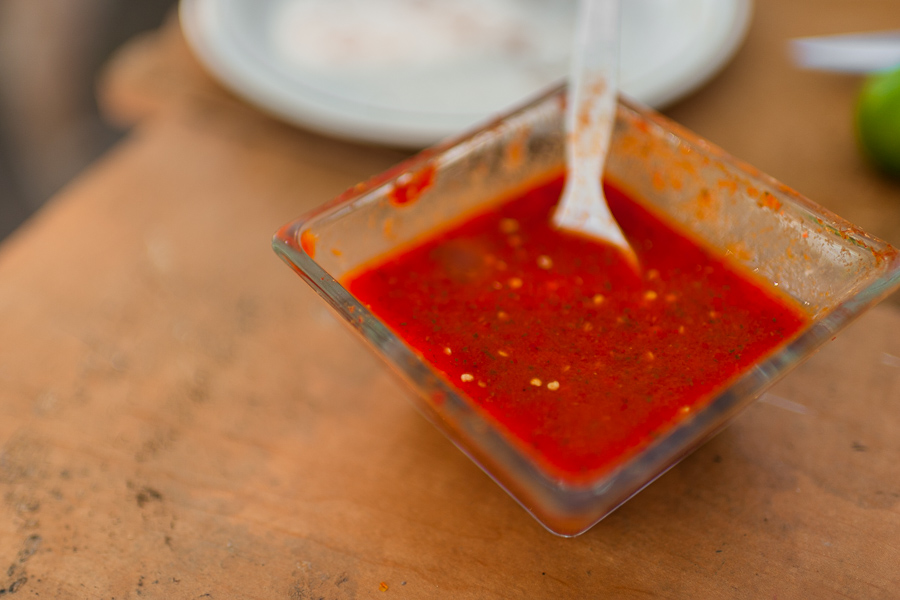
(410, 186)
(769, 201)
(553, 336)
(728, 185)
(517, 148)
(308, 242)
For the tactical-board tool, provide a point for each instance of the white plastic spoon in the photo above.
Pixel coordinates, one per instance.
(590, 116)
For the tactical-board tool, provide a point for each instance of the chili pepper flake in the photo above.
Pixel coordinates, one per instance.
(509, 226)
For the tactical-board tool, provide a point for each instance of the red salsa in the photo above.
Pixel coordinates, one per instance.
(560, 342)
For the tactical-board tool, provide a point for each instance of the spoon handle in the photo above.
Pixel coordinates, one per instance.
(590, 117)
(593, 84)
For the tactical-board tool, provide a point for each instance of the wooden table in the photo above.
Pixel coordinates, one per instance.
(180, 417)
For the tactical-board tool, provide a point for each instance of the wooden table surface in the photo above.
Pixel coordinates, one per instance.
(180, 417)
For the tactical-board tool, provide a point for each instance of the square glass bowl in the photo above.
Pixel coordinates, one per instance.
(831, 268)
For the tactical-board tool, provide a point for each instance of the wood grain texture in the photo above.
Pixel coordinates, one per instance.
(180, 417)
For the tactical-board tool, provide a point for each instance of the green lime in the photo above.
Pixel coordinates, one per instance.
(878, 120)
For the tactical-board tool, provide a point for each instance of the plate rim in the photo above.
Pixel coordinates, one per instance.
(336, 116)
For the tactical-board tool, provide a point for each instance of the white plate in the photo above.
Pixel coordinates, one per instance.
(411, 72)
